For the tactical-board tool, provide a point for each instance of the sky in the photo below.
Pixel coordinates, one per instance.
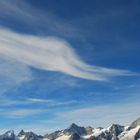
(68, 61)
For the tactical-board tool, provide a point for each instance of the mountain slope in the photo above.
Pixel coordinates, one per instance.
(75, 132)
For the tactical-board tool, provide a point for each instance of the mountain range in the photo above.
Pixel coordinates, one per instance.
(75, 132)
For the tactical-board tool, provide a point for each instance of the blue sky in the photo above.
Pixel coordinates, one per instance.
(68, 61)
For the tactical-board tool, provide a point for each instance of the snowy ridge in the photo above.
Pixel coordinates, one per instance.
(63, 137)
(129, 134)
(75, 132)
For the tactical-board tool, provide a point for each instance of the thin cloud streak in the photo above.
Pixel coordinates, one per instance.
(102, 115)
(5, 102)
(51, 54)
(21, 113)
(34, 19)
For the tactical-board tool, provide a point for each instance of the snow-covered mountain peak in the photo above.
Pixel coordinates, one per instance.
(10, 133)
(75, 129)
(75, 132)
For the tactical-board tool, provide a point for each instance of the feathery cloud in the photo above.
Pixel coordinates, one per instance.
(51, 54)
(12, 74)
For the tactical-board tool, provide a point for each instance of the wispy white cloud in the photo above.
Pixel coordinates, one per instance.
(34, 101)
(21, 113)
(35, 19)
(50, 102)
(51, 54)
(96, 116)
(102, 115)
(12, 74)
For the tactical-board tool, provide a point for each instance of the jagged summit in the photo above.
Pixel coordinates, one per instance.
(117, 129)
(28, 136)
(75, 129)
(9, 135)
(21, 133)
(73, 125)
(75, 132)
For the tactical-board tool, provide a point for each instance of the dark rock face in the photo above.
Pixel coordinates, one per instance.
(92, 138)
(137, 135)
(21, 133)
(134, 124)
(115, 130)
(29, 135)
(9, 135)
(89, 130)
(103, 136)
(53, 135)
(75, 137)
(74, 129)
(75, 132)
(111, 134)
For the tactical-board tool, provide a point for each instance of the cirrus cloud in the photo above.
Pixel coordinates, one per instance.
(51, 54)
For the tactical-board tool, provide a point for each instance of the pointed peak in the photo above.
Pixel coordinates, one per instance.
(22, 131)
(10, 133)
(115, 125)
(73, 125)
(74, 128)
